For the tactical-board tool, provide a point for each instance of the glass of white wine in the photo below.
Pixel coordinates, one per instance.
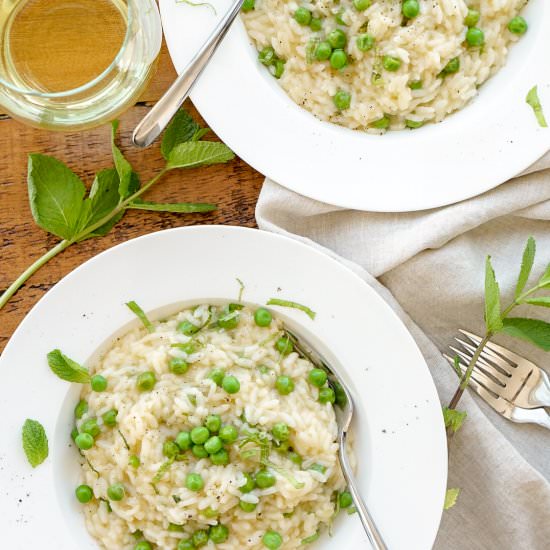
(74, 64)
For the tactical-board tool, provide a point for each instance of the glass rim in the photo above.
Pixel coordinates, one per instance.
(91, 83)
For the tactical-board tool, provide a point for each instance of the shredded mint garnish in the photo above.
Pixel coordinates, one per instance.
(450, 498)
(295, 305)
(35, 442)
(140, 314)
(311, 538)
(533, 101)
(453, 418)
(241, 290)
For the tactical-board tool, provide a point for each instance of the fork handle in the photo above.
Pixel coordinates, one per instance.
(541, 394)
(533, 416)
(368, 523)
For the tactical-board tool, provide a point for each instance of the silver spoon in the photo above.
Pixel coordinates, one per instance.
(159, 116)
(344, 414)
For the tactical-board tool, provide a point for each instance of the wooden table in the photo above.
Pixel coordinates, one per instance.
(233, 186)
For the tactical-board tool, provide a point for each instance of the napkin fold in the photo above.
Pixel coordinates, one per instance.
(429, 267)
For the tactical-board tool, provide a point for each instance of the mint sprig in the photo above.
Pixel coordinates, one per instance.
(59, 204)
(35, 442)
(67, 369)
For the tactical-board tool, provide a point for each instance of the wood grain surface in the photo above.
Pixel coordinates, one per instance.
(234, 187)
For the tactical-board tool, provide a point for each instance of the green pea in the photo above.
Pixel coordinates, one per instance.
(199, 451)
(229, 321)
(326, 395)
(74, 433)
(90, 426)
(339, 392)
(262, 317)
(413, 124)
(317, 377)
(475, 37)
(230, 384)
(187, 328)
(194, 482)
(183, 440)
(345, 499)
(302, 16)
(323, 51)
(364, 42)
(116, 492)
(189, 347)
(281, 431)
(342, 100)
(199, 435)
(315, 24)
(272, 540)
(170, 449)
(249, 485)
(217, 376)
(210, 512)
(410, 8)
(109, 417)
(472, 17)
(452, 66)
(248, 5)
(200, 538)
(84, 493)
(361, 5)
(143, 545)
(266, 56)
(284, 385)
(213, 445)
(186, 544)
(134, 461)
(337, 38)
(218, 533)
(518, 25)
(295, 458)
(178, 365)
(146, 381)
(382, 123)
(390, 63)
(81, 409)
(282, 447)
(277, 68)
(98, 383)
(247, 506)
(221, 458)
(284, 345)
(228, 433)
(265, 479)
(415, 84)
(213, 423)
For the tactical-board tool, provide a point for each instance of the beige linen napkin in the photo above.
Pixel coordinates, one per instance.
(429, 267)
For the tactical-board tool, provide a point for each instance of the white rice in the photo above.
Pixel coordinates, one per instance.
(424, 44)
(147, 419)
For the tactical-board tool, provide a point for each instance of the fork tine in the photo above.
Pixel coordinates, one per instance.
(464, 356)
(506, 353)
(489, 369)
(479, 376)
(499, 362)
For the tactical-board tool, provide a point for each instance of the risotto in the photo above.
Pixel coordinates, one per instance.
(379, 64)
(208, 429)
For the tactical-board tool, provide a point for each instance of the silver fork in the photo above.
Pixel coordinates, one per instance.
(515, 387)
(344, 415)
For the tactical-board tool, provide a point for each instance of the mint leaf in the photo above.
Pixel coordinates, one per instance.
(56, 196)
(182, 128)
(533, 101)
(286, 303)
(526, 265)
(123, 167)
(198, 153)
(201, 132)
(544, 281)
(450, 498)
(140, 314)
(543, 301)
(492, 299)
(35, 442)
(104, 198)
(311, 538)
(453, 418)
(184, 207)
(533, 330)
(67, 369)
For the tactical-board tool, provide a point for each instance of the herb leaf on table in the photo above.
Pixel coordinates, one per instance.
(58, 196)
(35, 442)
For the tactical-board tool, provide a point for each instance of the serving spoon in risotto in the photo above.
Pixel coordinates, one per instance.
(344, 415)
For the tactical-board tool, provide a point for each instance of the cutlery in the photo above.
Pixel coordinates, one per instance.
(154, 122)
(344, 413)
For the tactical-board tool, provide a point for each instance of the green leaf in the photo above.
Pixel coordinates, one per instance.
(543, 301)
(311, 538)
(492, 299)
(450, 498)
(182, 128)
(140, 314)
(544, 281)
(67, 369)
(286, 303)
(533, 101)
(104, 198)
(35, 442)
(183, 207)
(453, 418)
(533, 330)
(198, 153)
(526, 265)
(123, 167)
(56, 196)
(200, 133)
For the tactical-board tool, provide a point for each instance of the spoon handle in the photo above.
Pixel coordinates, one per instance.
(368, 523)
(166, 107)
